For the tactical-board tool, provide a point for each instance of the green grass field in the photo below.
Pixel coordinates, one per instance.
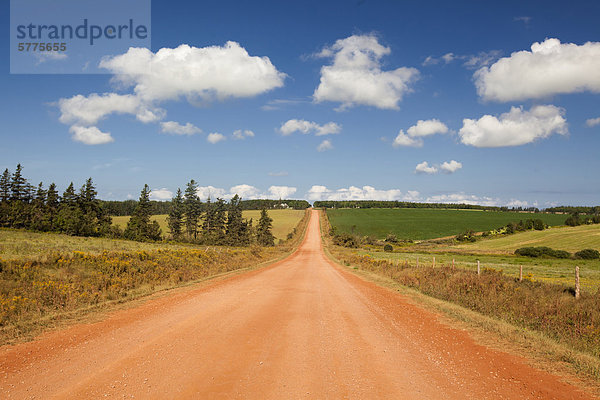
(571, 239)
(284, 221)
(421, 223)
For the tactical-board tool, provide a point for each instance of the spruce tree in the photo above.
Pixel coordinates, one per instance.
(5, 186)
(139, 226)
(18, 185)
(264, 237)
(68, 219)
(175, 218)
(38, 215)
(52, 204)
(237, 232)
(4, 198)
(192, 209)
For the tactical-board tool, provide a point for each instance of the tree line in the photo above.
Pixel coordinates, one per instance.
(80, 213)
(127, 207)
(407, 204)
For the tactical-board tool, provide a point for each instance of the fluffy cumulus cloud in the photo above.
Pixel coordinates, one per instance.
(215, 137)
(593, 122)
(303, 126)
(514, 128)
(281, 192)
(90, 135)
(447, 167)
(205, 192)
(319, 192)
(425, 168)
(207, 73)
(405, 140)
(178, 129)
(427, 128)
(414, 134)
(550, 68)
(450, 167)
(161, 194)
(356, 78)
(242, 134)
(325, 145)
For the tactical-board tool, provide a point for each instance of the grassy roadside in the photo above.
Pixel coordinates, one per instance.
(577, 367)
(51, 290)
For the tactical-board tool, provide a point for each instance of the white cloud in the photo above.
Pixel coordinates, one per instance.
(524, 19)
(178, 129)
(87, 111)
(214, 72)
(404, 140)
(247, 192)
(90, 135)
(593, 122)
(209, 72)
(447, 167)
(242, 134)
(427, 128)
(214, 137)
(325, 145)
(281, 192)
(471, 61)
(450, 167)
(303, 126)
(462, 198)
(424, 168)
(355, 77)
(514, 128)
(204, 192)
(161, 194)
(318, 192)
(550, 68)
(414, 134)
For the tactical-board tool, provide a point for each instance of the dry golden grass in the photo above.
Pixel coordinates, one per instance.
(283, 220)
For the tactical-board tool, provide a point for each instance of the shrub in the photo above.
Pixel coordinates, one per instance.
(345, 240)
(391, 238)
(466, 236)
(542, 252)
(388, 248)
(588, 254)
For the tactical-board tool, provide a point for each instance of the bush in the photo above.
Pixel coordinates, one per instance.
(388, 248)
(588, 254)
(391, 238)
(345, 240)
(542, 252)
(466, 236)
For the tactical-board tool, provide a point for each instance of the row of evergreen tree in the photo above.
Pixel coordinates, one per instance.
(215, 222)
(75, 213)
(81, 214)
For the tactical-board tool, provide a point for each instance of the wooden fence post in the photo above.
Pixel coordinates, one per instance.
(478, 268)
(433, 265)
(417, 262)
(521, 274)
(453, 263)
(577, 292)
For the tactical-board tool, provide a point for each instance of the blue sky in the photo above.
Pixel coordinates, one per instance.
(352, 79)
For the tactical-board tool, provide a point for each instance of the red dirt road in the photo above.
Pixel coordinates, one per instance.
(301, 328)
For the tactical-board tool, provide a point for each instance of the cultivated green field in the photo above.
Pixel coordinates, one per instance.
(421, 223)
(571, 239)
(283, 220)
